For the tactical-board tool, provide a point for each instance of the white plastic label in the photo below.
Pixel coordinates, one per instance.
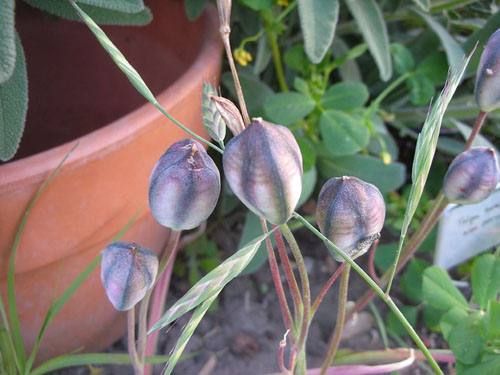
(465, 231)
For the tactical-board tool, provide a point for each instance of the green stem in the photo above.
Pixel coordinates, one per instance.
(306, 292)
(273, 42)
(374, 105)
(379, 291)
(337, 333)
(136, 363)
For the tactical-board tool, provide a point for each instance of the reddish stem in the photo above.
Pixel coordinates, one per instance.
(325, 289)
(371, 263)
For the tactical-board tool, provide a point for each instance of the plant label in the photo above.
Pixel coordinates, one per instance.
(467, 230)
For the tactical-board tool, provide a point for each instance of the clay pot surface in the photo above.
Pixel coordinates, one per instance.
(77, 94)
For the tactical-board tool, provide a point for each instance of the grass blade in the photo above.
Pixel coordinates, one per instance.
(61, 301)
(212, 283)
(188, 331)
(12, 350)
(424, 153)
(132, 74)
(11, 294)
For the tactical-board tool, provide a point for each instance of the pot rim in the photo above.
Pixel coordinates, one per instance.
(123, 129)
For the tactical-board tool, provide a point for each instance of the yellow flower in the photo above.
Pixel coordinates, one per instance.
(386, 157)
(242, 57)
(283, 3)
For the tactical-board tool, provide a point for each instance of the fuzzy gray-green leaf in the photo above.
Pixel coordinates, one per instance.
(318, 20)
(7, 40)
(13, 106)
(371, 23)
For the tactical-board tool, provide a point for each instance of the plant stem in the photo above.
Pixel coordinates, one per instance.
(306, 293)
(380, 292)
(376, 102)
(273, 42)
(327, 286)
(475, 130)
(136, 363)
(290, 277)
(285, 310)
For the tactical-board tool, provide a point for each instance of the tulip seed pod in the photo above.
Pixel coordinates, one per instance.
(128, 271)
(472, 176)
(350, 213)
(487, 91)
(184, 186)
(263, 166)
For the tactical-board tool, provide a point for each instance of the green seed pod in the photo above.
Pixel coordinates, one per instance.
(212, 120)
(487, 91)
(472, 176)
(128, 271)
(263, 166)
(351, 214)
(184, 186)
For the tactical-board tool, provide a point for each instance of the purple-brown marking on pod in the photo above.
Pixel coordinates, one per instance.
(128, 271)
(472, 176)
(184, 186)
(263, 166)
(487, 91)
(350, 213)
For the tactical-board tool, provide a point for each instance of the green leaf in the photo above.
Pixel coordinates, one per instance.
(255, 91)
(494, 317)
(288, 108)
(343, 133)
(485, 279)
(308, 154)
(450, 319)
(295, 58)
(371, 22)
(262, 57)
(318, 20)
(402, 58)
(490, 366)
(395, 326)
(373, 170)
(421, 89)
(345, 96)
(411, 281)
(423, 4)
(454, 52)
(348, 70)
(301, 85)
(125, 6)
(13, 106)
(465, 341)
(439, 290)
(212, 283)
(432, 317)
(434, 67)
(385, 255)
(258, 4)
(308, 182)
(7, 40)
(194, 8)
(63, 9)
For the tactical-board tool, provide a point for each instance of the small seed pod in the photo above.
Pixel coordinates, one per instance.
(472, 176)
(127, 272)
(184, 186)
(350, 213)
(263, 166)
(487, 91)
(212, 120)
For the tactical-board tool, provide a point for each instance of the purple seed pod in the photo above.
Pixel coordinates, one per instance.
(472, 176)
(184, 186)
(487, 91)
(350, 213)
(263, 166)
(128, 271)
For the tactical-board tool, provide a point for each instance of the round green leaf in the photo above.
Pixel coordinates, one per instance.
(308, 154)
(343, 133)
(288, 108)
(402, 58)
(345, 96)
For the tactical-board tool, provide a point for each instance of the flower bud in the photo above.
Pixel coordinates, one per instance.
(128, 271)
(472, 176)
(263, 166)
(212, 120)
(184, 186)
(351, 214)
(487, 91)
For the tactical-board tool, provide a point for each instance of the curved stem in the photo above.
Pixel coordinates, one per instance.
(327, 286)
(378, 290)
(337, 333)
(273, 42)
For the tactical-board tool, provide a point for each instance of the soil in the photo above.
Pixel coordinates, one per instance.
(243, 334)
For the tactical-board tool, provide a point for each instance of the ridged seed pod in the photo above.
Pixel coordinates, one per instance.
(184, 186)
(263, 166)
(212, 120)
(350, 213)
(472, 176)
(128, 271)
(487, 91)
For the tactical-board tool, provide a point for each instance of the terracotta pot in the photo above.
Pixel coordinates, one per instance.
(78, 94)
